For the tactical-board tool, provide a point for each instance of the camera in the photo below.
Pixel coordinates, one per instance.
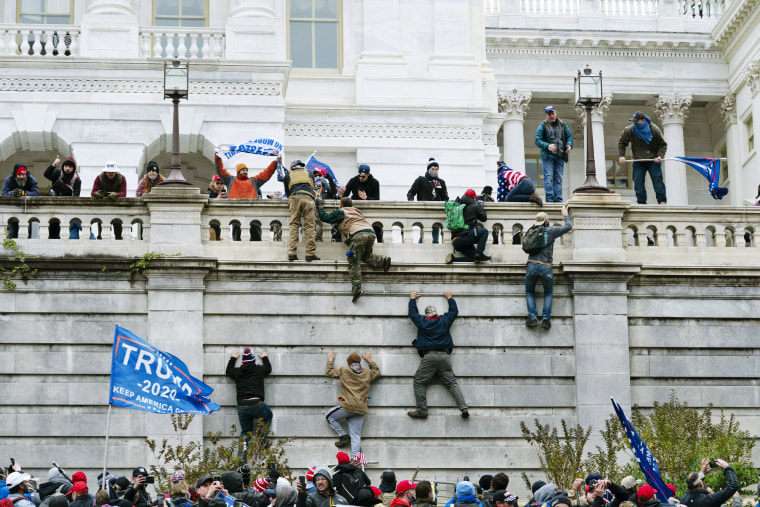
(302, 481)
(149, 479)
(713, 463)
(215, 477)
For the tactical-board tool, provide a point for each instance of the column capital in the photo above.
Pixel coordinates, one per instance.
(580, 121)
(515, 104)
(673, 108)
(599, 111)
(728, 109)
(752, 77)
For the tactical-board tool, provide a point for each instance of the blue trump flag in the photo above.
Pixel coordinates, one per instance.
(146, 378)
(313, 163)
(647, 463)
(710, 169)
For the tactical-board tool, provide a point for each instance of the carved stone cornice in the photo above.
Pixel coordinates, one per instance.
(514, 104)
(382, 131)
(728, 109)
(127, 86)
(752, 77)
(673, 108)
(732, 20)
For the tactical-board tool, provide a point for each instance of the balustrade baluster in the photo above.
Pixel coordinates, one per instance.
(157, 48)
(145, 45)
(194, 46)
(37, 46)
(205, 48)
(73, 43)
(3, 44)
(49, 47)
(24, 47)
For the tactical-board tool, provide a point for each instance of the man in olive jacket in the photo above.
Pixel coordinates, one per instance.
(354, 391)
(647, 143)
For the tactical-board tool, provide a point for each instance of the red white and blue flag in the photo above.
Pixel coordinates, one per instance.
(359, 459)
(313, 164)
(710, 169)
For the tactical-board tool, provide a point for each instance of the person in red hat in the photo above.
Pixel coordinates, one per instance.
(19, 184)
(464, 240)
(249, 384)
(405, 494)
(347, 478)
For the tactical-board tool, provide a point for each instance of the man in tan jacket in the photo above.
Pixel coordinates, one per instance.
(354, 391)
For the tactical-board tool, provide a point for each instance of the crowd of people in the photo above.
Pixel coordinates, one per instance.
(347, 484)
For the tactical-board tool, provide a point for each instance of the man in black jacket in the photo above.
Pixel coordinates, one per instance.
(464, 240)
(249, 383)
(347, 478)
(136, 493)
(697, 496)
(429, 188)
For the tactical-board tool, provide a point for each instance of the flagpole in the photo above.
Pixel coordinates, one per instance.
(669, 158)
(105, 456)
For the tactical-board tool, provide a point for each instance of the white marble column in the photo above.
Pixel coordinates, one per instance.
(728, 112)
(382, 33)
(515, 106)
(673, 109)
(110, 30)
(598, 115)
(451, 34)
(255, 30)
(752, 169)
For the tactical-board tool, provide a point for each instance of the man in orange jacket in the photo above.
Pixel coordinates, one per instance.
(241, 186)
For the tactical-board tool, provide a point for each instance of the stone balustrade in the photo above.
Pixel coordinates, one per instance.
(673, 233)
(182, 42)
(39, 40)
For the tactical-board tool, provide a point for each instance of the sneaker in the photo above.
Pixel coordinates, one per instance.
(465, 413)
(416, 414)
(531, 322)
(536, 199)
(546, 324)
(344, 441)
(386, 264)
(449, 258)
(479, 257)
(292, 257)
(357, 296)
(310, 258)
(663, 203)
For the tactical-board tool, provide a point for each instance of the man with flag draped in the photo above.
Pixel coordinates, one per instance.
(648, 143)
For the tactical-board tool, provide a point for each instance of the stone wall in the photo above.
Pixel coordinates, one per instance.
(629, 321)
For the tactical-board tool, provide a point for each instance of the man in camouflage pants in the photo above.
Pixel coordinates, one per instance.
(357, 232)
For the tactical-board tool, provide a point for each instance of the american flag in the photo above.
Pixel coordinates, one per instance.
(359, 459)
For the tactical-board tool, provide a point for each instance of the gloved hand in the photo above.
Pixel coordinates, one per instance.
(100, 194)
(19, 192)
(112, 196)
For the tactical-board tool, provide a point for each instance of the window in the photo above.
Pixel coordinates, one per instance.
(750, 134)
(44, 12)
(618, 176)
(314, 33)
(534, 170)
(191, 13)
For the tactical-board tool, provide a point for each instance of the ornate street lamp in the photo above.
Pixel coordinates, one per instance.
(176, 86)
(588, 93)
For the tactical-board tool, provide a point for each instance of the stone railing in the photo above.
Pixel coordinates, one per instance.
(39, 40)
(231, 229)
(181, 42)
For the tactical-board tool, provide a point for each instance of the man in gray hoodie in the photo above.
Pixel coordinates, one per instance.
(325, 496)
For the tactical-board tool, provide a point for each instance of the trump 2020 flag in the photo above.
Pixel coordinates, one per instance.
(647, 463)
(266, 146)
(710, 169)
(313, 163)
(146, 378)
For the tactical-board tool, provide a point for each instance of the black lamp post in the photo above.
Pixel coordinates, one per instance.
(588, 93)
(176, 86)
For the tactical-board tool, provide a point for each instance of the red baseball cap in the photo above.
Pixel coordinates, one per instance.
(21, 170)
(404, 486)
(645, 493)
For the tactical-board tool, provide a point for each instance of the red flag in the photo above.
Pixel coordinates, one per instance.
(359, 459)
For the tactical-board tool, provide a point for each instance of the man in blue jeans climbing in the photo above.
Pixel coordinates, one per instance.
(540, 268)
(249, 384)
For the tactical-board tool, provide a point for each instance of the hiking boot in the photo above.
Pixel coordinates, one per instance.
(357, 296)
(536, 199)
(344, 441)
(465, 413)
(416, 414)
(292, 257)
(310, 258)
(479, 257)
(450, 258)
(386, 264)
(546, 324)
(531, 322)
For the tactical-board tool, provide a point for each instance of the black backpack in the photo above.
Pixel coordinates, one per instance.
(535, 239)
(348, 484)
